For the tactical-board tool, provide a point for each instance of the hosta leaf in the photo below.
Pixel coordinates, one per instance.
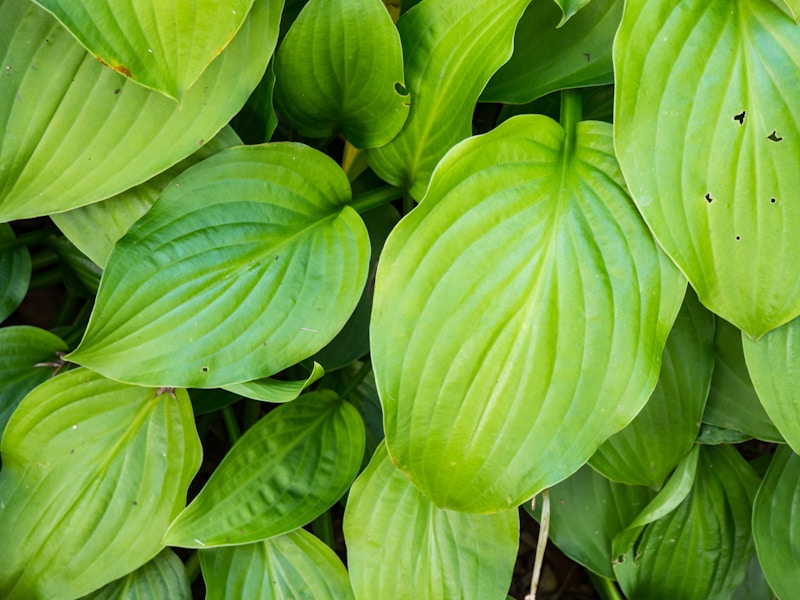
(509, 320)
(647, 450)
(732, 401)
(570, 7)
(708, 136)
(75, 132)
(294, 565)
(754, 585)
(93, 473)
(402, 547)
(790, 7)
(275, 390)
(163, 578)
(548, 57)
(15, 271)
(243, 267)
(27, 358)
(701, 548)
(340, 69)
(95, 228)
(450, 53)
(776, 527)
(774, 365)
(161, 45)
(286, 470)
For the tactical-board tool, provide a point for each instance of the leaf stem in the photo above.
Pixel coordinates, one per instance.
(356, 380)
(606, 588)
(322, 527)
(541, 543)
(374, 198)
(571, 110)
(231, 424)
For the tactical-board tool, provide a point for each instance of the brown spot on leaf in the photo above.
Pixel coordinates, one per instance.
(118, 68)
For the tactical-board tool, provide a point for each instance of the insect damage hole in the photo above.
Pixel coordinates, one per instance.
(774, 136)
(738, 237)
(709, 199)
(772, 200)
(740, 117)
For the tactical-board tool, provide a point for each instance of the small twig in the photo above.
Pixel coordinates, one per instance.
(541, 544)
(57, 364)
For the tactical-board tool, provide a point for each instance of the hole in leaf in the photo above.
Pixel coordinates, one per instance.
(774, 136)
(740, 117)
(772, 200)
(204, 369)
(400, 89)
(738, 237)
(588, 57)
(709, 199)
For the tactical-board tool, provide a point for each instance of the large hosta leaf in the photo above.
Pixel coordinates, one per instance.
(163, 578)
(340, 69)
(520, 315)
(402, 547)
(244, 266)
(708, 136)
(450, 53)
(15, 271)
(93, 473)
(75, 132)
(161, 45)
(284, 472)
(570, 8)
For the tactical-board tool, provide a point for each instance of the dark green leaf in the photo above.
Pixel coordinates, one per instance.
(15, 271)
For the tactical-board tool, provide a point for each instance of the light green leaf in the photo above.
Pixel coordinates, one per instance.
(450, 52)
(711, 434)
(286, 470)
(75, 132)
(161, 45)
(15, 271)
(548, 57)
(93, 473)
(570, 7)
(790, 7)
(163, 578)
(699, 549)
(340, 69)
(776, 527)
(243, 267)
(509, 320)
(732, 401)
(95, 228)
(646, 451)
(773, 362)
(294, 565)
(708, 136)
(275, 390)
(27, 358)
(402, 547)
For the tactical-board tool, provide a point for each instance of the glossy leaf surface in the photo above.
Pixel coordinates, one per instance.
(293, 565)
(285, 471)
(75, 132)
(706, 102)
(243, 267)
(492, 336)
(402, 547)
(340, 69)
(93, 473)
(571, 7)
(15, 271)
(275, 390)
(163, 578)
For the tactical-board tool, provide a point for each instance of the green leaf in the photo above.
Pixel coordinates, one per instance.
(776, 528)
(366, 400)
(402, 547)
(162, 578)
(75, 132)
(294, 565)
(243, 267)
(15, 271)
(27, 358)
(570, 7)
(732, 401)
(699, 549)
(163, 46)
(275, 390)
(514, 286)
(646, 451)
(340, 69)
(548, 57)
(708, 136)
(754, 585)
(773, 363)
(790, 7)
(95, 228)
(93, 473)
(286, 470)
(450, 53)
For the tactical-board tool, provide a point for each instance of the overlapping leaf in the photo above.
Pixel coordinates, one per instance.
(340, 69)
(275, 390)
(285, 471)
(521, 311)
(93, 473)
(293, 565)
(402, 547)
(708, 136)
(163, 578)
(570, 7)
(15, 271)
(75, 132)
(243, 267)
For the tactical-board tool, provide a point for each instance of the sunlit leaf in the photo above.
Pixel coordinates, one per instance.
(285, 471)
(275, 390)
(15, 272)
(93, 473)
(708, 136)
(293, 565)
(402, 547)
(75, 132)
(790, 7)
(243, 267)
(163, 578)
(571, 7)
(340, 69)
(509, 319)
